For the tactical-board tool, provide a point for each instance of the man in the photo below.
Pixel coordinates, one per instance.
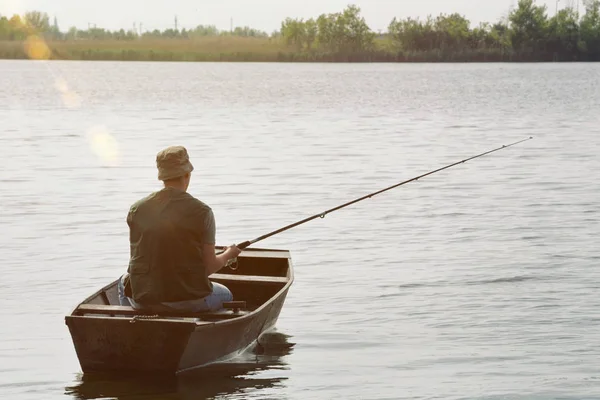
(172, 245)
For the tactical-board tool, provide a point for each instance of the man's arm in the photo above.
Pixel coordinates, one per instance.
(211, 261)
(215, 262)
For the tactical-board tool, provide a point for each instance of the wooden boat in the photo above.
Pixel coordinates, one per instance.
(113, 338)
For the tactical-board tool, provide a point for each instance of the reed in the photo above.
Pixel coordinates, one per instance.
(219, 48)
(245, 49)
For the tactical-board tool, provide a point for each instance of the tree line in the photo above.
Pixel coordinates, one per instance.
(528, 33)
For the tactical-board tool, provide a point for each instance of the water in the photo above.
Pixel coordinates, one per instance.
(477, 282)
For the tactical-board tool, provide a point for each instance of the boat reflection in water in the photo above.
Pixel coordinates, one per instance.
(229, 378)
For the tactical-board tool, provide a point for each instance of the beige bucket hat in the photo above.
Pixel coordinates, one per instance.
(173, 162)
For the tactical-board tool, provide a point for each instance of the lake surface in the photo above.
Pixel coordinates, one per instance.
(479, 282)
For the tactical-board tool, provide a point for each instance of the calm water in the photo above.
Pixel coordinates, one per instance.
(480, 282)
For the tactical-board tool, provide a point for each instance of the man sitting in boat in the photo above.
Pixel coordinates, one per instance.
(172, 245)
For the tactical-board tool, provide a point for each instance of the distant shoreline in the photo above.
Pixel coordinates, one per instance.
(526, 34)
(243, 49)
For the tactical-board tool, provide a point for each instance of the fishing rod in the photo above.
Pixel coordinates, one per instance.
(245, 244)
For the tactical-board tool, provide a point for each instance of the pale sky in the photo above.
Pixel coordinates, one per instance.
(261, 14)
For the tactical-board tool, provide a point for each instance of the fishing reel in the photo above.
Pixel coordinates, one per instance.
(232, 264)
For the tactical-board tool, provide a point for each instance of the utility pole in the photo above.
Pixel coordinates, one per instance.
(176, 23)
(141, 30)
(231, 25)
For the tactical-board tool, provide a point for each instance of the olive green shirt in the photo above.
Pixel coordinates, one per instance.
(167, 231)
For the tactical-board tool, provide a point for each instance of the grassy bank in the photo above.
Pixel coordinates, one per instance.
(205, 49)
(243, 49)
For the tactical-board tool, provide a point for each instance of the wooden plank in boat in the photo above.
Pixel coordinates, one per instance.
(274, 280)
(112, 296)
(130, 311)
(265, 254)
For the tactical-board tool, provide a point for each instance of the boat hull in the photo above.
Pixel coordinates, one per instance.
(109, 338)
(117, 345)
(221, 342)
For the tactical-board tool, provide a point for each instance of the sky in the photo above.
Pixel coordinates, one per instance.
(260, 14)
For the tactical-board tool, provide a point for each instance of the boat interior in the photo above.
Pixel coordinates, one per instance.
(256, 277)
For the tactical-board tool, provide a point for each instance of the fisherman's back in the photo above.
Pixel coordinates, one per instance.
(167, 230)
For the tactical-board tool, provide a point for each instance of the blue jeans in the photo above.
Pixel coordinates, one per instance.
(212, 302)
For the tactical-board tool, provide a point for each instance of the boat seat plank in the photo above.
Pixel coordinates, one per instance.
(274, 280)
(130, 311)
(265, 254)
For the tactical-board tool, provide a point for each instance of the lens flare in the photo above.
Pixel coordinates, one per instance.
(69, 97)
(36, 48)
(104, 145)
(101, 142)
